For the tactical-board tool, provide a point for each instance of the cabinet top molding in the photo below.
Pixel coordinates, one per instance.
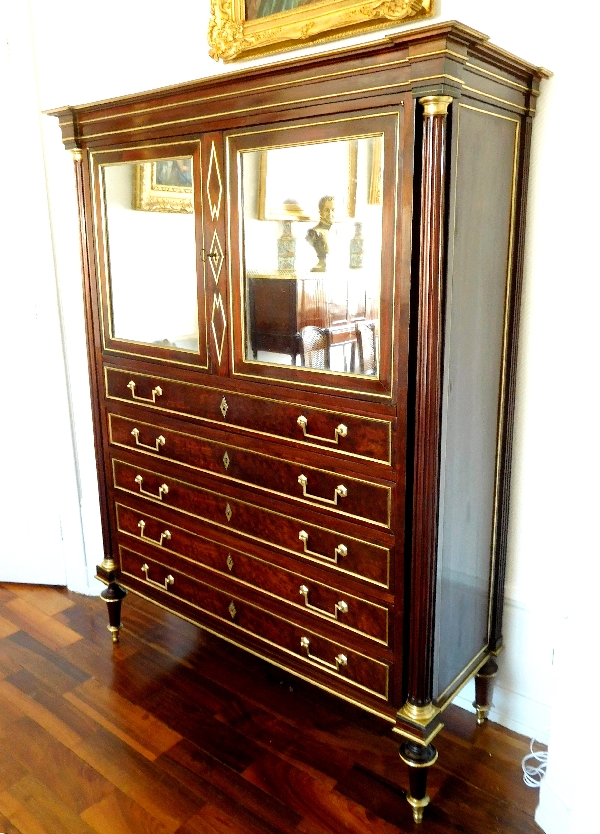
(444, 59)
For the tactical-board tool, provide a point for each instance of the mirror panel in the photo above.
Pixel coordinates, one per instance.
(150, 245)
(311, 249)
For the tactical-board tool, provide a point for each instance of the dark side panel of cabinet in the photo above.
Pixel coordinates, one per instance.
(482, 234)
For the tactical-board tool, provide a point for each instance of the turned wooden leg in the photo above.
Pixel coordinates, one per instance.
(419, 759)
(484, 683)
(113, 595)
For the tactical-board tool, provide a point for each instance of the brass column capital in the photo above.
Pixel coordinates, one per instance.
(436, 105)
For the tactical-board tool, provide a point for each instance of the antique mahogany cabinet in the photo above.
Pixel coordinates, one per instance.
(302, 289)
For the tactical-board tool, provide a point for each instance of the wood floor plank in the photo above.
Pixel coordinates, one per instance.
(322, 809)
(7, 627)
(74, 782)
(119, 814)
(198, 770)
(215, 820)
(162, 797)
(38, 713)
(129, 722)
(39, 803)
(52, 702)
(39, 625)
(38, 660)
(49, 600)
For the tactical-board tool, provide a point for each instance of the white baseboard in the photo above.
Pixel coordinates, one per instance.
(552, 815)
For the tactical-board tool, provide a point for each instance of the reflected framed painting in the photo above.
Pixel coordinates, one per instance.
(164, 185)
(244, 28)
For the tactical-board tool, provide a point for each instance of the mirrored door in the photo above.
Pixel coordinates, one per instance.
(316, 250)
(150, 246)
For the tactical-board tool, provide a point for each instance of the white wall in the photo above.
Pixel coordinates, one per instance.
(119, 48)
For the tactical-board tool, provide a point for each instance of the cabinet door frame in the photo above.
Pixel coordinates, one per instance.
(141, 350)
(389, 123)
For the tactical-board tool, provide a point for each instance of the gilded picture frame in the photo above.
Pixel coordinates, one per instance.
(243, 28)
(164, 185)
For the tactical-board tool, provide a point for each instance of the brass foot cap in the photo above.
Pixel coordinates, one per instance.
(114, 632)
(418, 806)
(482, 713)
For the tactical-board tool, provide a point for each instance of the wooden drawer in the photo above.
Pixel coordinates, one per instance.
(314, 650)
(317, 599)
(362, 437)
(351, 497)
(345, 553)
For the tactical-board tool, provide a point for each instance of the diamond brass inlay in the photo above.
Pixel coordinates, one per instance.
(232, 610)
(226, 460)
(224, 407)
(228, 512)
(219, 341)
(214, 186)
(230, 562)
(216, 257)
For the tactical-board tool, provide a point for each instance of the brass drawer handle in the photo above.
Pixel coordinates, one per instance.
(156, 392)
(168, 579)
(162, 490)
(340, 660)
(340, 492)
(340, 607)
(341, 431)
(341, 549)
(160, 441)
(166, 535)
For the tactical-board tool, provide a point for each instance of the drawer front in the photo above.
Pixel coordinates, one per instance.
(349, 434)
(304, 644)
(351, 497)
(319, 600)
(319, 544)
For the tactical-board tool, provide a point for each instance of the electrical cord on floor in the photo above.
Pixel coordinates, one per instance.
(534, 766)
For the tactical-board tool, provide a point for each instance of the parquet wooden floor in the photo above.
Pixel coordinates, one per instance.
(174, 730)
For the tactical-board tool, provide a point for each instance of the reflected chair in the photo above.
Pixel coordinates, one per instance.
(365, 349)
(315, 346)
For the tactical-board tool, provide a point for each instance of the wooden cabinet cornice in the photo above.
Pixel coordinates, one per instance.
(302, 289)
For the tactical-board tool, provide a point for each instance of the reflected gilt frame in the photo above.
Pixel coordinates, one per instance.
(149, 195)
(232, 35)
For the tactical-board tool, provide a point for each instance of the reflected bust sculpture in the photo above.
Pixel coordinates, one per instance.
(318, 236)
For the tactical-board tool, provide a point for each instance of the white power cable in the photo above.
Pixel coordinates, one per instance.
(534, 773)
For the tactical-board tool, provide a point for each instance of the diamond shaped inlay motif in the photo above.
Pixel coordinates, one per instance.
(228, 512)
(226, 460)
(224, 407)
(214, 186)
(216, 257)
(230, 562)
(218, 321)
(232, 610)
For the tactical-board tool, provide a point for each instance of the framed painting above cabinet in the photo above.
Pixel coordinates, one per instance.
(242, 28)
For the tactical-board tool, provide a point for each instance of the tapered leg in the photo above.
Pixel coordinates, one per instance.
(484, 683)
(114, 595)
(419, 759)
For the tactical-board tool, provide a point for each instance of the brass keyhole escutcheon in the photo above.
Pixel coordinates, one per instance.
(232, 610)
(228, 512)
(229, 562)
(224, 407)
(226, 460)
